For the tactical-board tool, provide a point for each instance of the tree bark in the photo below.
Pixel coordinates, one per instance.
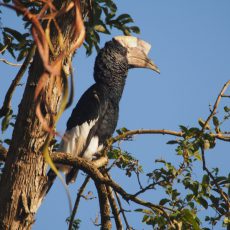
(24, 174)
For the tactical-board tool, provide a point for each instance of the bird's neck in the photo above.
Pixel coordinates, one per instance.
(113, 91)
(111, 69)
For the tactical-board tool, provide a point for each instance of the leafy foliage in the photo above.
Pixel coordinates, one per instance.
(75, 225)
(100, 17)
(15, 42)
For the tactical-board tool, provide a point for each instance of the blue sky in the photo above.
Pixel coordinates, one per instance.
(190, 44)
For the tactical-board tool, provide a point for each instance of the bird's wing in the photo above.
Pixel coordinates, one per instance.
(83, 122)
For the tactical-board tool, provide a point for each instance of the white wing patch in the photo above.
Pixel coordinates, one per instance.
(75, 139)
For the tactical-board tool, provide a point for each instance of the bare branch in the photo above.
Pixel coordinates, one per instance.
(6, 105)
(123, 212)
(79, 194)
(213, 112)
(130, 133)
(146, 131)
(228, 96)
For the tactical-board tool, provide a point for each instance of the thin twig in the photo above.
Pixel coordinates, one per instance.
(6, 104)
(228, 96)
(9, 63)
(79, 194)
(146, 131)
(5, 47)
(122, 211)
(148, 187)
(129, 133)
(213, 111)
(223, 195)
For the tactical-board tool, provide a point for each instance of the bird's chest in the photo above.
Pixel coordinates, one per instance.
(108, 122)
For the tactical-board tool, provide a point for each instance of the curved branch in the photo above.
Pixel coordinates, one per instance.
(146, 131)
(130, 133)
(9, 63)
(95, 174)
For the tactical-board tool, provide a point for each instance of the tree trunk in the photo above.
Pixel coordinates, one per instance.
(24, 174)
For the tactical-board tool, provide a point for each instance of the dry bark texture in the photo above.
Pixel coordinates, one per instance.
(24, 174)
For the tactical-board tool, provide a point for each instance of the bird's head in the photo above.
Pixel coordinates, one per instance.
(137, 52)
(118, 56)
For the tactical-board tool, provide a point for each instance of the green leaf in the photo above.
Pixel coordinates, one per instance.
(7, 141)
(205, 180)
(203, 202)
(123, 129)
(138, 210)
(124, 16)
(173, 142)
(189, 217)
(202, 123)
(163, 201)
(215, 121)
(76, 223)
(206, 144)
(18, 36)
(145, 218)
(6, 121)
(22, 54)
(135, 29)
(189, 197)
(197, 155)
(226, 109)
(183, 128)
(101, 28)
(226, 220)
(193, 131)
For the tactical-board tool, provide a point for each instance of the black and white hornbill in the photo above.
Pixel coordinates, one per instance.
(95, 116)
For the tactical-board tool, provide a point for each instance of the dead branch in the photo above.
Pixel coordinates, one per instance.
(6, 104)
(213, 112)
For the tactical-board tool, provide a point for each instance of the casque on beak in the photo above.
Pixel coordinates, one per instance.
(137, 52)
(138, 59)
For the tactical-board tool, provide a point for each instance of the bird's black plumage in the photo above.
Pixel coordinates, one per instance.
(95, 116)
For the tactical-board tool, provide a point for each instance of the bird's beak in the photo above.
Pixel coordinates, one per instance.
(137, 52)
(137, 58)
